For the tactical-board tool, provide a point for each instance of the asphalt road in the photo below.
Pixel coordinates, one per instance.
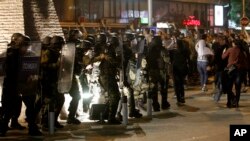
(201, 119)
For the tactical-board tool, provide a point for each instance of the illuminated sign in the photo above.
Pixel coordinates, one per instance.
(218, 15)
(162, 25)
(192, 21)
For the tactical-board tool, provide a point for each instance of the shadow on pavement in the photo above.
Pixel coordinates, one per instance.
(188, 108)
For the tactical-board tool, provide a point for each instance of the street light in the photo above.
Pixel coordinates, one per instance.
(150, 12)
(243, 8)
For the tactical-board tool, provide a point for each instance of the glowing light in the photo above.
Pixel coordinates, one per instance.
(191, 21)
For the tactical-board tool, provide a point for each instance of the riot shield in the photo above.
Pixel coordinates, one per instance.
(3, 52)
(29, 64)
(66, 68)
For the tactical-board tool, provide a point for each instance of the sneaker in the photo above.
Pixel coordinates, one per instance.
(136, 114)
(73, 121)
(204, 89)
(156, 107)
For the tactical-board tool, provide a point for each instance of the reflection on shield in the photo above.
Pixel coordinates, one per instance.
(66, 68)
(3, 51)
(29, 69)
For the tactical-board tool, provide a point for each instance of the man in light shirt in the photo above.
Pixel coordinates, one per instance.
(202, 60)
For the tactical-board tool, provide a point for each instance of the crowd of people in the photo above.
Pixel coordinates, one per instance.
(143, 63)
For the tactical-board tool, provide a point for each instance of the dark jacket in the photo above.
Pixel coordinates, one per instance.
(236, 57)
(179, 58)
(218, 62)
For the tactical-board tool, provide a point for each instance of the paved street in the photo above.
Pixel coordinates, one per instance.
(199, 120)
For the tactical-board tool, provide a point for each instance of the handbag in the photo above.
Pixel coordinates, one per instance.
(231, 69)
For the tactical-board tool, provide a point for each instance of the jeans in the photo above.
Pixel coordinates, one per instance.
(202, 69)
(218, 86)
(235, 78)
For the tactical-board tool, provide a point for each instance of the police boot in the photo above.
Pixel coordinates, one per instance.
(164, 103)
(135, 113)
(111, 117)
(73, 120)
(34, 131)
(156, 105)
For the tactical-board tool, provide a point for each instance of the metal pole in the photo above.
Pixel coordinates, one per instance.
(51, 119)
(124, 110)
(243, 14)
(243, 8)
(150, 12)
(149, 105)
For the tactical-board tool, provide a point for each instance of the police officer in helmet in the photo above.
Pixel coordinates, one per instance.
(12, 91)
(75, 36)
(108, 70)
(49, 77)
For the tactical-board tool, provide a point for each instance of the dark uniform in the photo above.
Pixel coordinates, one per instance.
(108, 71)
(129, 62)
(180, 60)
(18, 106)
(12, 91)
(157, 71)
(74, 37)
(49, 79)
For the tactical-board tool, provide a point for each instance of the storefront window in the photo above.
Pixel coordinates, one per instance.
(123, 11)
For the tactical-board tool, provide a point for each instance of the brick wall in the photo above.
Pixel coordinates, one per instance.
(40, 19)
(11, 19)
(35, 18)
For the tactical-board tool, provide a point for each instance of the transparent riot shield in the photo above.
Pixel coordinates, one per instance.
(66, 68)
(29, 64)
(3, 52)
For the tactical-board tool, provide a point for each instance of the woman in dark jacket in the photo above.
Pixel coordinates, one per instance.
(236, 67)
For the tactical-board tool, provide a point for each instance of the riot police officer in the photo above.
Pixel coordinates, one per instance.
(49, 78)
(108, 71)
(157, 71)
(130, 51)
(75, 36)
(12, 89)
(14, 120)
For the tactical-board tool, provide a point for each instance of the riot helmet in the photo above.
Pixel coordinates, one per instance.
(130, 36)
(57, 42)
(46, 42)
(87, 44)
(91, 38)
(14, 38)
(75, 35)
(102, 38)
(23, 43)
(114, 41)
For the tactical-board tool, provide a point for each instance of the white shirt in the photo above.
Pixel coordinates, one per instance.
(202, 50)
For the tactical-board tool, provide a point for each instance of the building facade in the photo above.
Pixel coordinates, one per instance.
(125, 11)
